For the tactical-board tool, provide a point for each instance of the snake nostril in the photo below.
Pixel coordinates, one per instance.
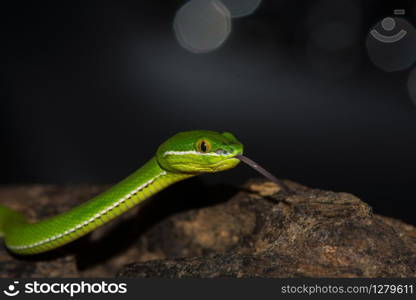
(221, 152)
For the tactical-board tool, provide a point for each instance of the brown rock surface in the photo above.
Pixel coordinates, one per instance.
(221, 231)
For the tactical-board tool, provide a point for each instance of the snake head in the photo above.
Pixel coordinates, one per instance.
(199, 151)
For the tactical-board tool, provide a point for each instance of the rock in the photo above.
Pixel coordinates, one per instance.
(262, 233)
(191, 230)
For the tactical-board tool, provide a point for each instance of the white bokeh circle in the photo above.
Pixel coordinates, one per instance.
(202, 25)
(241, 8)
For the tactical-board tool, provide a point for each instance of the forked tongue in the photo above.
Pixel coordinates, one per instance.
(263, 171)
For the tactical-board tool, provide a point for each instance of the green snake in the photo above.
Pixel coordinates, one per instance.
(182, 156)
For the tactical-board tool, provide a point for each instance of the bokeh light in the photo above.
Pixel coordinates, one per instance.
(411, 85)
(333, 36)
(202, 25)
(333, 43)
(389, 50)
(241, 8)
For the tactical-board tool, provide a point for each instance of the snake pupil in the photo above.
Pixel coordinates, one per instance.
(203, 146)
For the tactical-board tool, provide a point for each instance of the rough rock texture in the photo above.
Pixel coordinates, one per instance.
(222, 232)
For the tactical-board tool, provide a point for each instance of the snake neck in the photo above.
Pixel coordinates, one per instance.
(159, 178)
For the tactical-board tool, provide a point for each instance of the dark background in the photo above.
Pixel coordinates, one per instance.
(90, 89)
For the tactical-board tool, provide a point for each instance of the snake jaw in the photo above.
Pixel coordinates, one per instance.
(227, 164)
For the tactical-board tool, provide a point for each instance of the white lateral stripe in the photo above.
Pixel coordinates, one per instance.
(189, 152)
(92, 219)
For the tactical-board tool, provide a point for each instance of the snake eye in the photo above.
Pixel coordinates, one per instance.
(203, 146)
